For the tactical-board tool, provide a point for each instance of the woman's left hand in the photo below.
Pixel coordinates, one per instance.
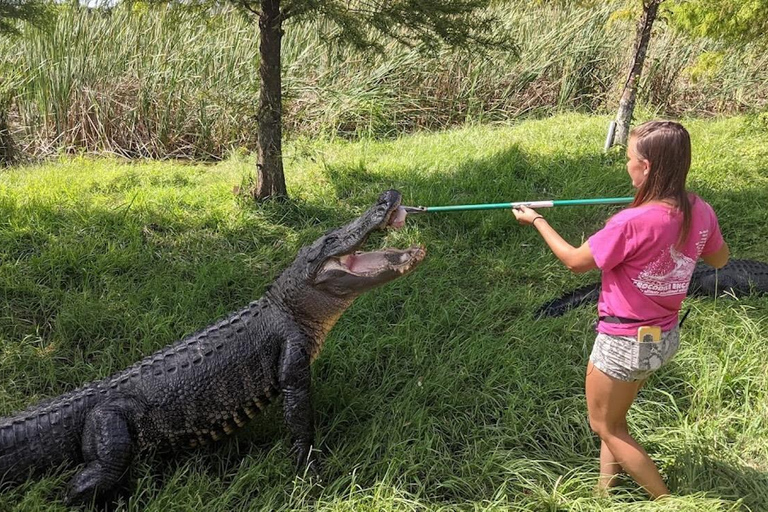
(525, 215)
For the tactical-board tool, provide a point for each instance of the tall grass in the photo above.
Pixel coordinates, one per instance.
(139, 82)
(162, 82)
(439, 391)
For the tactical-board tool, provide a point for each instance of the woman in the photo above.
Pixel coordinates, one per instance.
(647, 254)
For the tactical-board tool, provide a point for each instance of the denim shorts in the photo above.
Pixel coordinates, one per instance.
(625, 358)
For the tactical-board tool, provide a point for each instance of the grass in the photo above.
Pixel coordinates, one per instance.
(439, 391)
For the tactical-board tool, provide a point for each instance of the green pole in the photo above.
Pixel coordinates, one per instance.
(529, 204)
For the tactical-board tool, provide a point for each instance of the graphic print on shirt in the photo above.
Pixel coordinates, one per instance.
(669, 274)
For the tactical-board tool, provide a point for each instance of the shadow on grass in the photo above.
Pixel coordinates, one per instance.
(693, 472)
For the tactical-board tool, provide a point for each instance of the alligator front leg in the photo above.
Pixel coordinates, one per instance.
(107, 449)
(295, 383)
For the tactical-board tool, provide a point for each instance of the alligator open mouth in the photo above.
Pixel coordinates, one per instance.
(373, 263)
(364, 269)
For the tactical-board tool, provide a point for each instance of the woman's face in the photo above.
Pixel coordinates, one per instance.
(637, 167)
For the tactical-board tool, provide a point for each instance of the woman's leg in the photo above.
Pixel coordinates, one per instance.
(608, 401)
(609, 469)
(609, 466)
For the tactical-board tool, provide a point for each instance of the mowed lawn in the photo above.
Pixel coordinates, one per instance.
(440, 391)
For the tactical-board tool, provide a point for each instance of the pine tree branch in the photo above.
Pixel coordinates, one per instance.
(245, 4)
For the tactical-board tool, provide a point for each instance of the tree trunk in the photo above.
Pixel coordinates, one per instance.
(629, 94)
(7, 152)
(270, 177)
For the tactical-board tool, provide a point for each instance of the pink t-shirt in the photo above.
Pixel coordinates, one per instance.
(644, 275)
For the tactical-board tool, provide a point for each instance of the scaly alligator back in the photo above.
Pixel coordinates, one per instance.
(188, 393)
(737, 277)
(206, 385)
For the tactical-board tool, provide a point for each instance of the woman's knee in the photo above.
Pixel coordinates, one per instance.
(605, 428)
(596, 425)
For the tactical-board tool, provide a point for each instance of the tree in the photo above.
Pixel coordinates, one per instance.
(733, 21)
(363, 24)
(730, 21)
(36, 12)
(629, 93)
(12, 14)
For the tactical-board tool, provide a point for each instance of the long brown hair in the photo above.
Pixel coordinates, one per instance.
(666, 145)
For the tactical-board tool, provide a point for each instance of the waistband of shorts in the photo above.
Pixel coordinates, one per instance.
(615, 329)
(619, 320)
(611, 319)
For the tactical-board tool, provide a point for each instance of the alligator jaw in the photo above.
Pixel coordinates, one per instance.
(353, 274)
(388, 259)
(347, 271)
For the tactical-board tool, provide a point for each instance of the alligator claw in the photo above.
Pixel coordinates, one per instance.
(307, 462)
(312, 471)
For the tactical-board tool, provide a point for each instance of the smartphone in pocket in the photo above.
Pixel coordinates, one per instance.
(649, 334)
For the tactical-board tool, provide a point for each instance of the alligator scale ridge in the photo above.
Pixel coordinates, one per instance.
(738, 278)
(208, 384)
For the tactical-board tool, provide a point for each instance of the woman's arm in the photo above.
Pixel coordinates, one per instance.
(718, 258)
(577, 259)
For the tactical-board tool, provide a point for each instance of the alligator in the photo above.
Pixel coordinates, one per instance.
(738, 278)
(208, 384)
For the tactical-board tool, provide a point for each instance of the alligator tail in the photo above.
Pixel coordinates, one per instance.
(738, 278)
(44, 436)
(578, 297)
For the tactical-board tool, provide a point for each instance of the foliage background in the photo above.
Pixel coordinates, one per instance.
(165, 82)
